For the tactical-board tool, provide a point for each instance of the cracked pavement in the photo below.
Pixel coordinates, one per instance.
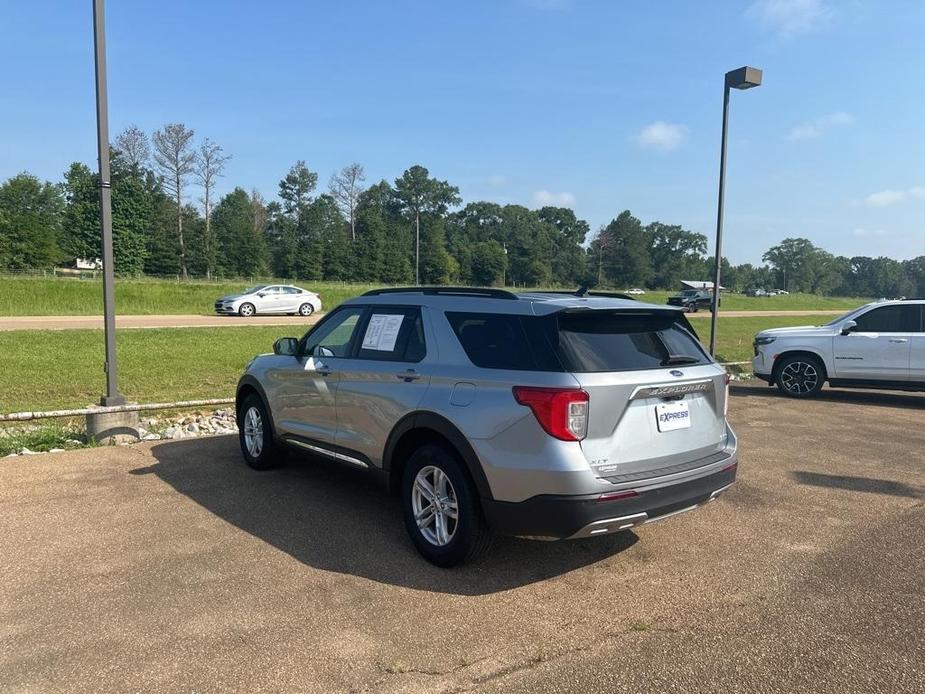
(171, 566)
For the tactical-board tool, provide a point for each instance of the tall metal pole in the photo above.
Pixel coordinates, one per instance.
(719, 220)
(417, 248)
(112, 396)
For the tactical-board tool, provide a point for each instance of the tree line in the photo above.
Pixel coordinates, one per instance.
(375, 233)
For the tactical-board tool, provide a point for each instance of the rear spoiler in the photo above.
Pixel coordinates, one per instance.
(678, 315)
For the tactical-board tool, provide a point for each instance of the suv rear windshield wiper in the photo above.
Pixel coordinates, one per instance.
(676, 359)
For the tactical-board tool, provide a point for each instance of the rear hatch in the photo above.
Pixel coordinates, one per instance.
(656, 399)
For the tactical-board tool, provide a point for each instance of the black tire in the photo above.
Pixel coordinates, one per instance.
(692, 308)
(799, 376)
(470, 534)
(248, 311)
(306, 309)
(270, 453)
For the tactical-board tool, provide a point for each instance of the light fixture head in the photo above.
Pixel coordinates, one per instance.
(743, 78)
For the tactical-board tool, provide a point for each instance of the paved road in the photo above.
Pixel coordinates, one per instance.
(173, 567)
(194, 321)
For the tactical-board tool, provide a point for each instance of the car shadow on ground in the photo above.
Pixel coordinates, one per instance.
(907, 400)
(337, 519)
(870, 485)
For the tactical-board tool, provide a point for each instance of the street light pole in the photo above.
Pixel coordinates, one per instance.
(112, 396)
(743, 78)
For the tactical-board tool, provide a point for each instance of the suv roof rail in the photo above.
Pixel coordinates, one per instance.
(486, 292)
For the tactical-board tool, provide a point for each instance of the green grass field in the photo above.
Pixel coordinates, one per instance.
(26, 296)
(56, 369)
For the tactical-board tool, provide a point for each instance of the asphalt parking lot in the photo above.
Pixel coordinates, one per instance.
(173, 567)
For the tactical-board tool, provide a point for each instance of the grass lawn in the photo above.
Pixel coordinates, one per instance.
(57, 369)
(36, 296)
(28, 296)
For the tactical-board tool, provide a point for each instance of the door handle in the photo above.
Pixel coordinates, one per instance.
(323, 370)
(408, 375)
(898, 340)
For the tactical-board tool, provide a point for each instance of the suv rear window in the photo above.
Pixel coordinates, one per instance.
(610, 341)
(578, 342)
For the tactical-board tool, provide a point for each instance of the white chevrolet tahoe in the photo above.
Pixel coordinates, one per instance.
(879, 345)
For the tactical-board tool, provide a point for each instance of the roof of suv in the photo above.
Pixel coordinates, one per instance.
(502, 301)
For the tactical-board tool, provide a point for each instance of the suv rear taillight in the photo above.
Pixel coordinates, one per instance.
(562, 412)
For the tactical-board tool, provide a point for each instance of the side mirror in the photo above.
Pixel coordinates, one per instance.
(848, 326)
(286, 346)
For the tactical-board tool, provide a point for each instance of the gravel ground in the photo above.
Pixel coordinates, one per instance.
(170, 566)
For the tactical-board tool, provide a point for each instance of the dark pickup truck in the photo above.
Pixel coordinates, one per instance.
(693, 299)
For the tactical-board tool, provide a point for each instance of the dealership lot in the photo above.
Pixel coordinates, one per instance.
(171, 566)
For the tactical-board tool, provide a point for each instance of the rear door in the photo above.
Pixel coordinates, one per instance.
(880, 346)
(656, 399)
(917, 349)
(289, 300)
(384, 380)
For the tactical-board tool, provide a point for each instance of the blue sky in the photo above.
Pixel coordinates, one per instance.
(602, 105)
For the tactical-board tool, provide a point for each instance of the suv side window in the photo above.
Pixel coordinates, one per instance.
(503, 341)
(919, 326)
(890, 319)
(392, 334)
(333, 336)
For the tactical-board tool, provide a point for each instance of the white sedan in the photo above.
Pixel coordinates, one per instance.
(269, 298)
(635, 291)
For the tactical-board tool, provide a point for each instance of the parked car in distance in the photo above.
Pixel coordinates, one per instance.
(269, 298)
(879, 345)
(636, 291)
(755, 291)
(546, 415)
(692, 300)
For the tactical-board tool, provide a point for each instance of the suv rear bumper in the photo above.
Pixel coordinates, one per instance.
(559, 517)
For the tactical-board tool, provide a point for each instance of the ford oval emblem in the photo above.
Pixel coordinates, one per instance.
(675, 372)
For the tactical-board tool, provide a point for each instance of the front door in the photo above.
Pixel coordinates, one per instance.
(301, 389)
(879, 347)
(267, 299)
(384, 381)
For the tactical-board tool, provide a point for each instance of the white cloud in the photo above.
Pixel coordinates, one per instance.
(543, 198)
(885, 198)
(661, 135)
(789, 18)
(917, 192)
(822, 124)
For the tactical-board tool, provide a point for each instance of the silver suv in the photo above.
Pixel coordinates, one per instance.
(547, 415)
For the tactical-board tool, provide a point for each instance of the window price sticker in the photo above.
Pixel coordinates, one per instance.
(382, 332)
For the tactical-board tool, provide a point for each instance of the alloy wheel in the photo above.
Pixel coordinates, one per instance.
(435, 505)
(799, 377)
(253, 432)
